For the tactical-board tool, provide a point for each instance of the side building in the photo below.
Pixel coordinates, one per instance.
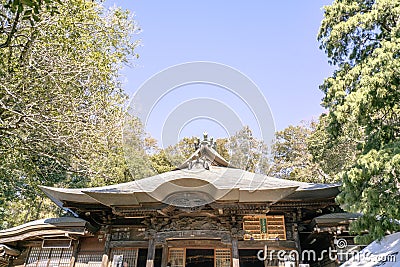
(203, 214)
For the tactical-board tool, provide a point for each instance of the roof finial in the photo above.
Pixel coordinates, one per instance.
(205, 136)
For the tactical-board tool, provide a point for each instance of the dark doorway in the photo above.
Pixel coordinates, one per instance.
(158, 257)
(248, 258)
(142, 257)
(199, 258)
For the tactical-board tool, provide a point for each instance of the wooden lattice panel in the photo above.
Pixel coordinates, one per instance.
(276, 227)
(130, 255)
(251, 225)
(44, 257)
(33, 257)
(177, 257)
(89, 259)
(261, 227)
(49, 257)
(4, 262)
(55, 257)
(222, 257)
(65, 259)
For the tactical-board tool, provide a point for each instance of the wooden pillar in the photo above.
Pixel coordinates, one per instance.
(105, 259)
(164, 259)
(296, 237)
(151, 252)
(76, 246)
(235, 253)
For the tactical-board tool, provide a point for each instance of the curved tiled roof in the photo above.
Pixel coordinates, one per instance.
(204, 173)
(234, 184)
(63, 226)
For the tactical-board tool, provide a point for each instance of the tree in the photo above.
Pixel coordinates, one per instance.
(222, 148)
(171, 157)
(333, 155)
(161, 163)
(246, 152)
(362, 39)
(61, 103)
(292, 158)
(138, 150)
(14, 12)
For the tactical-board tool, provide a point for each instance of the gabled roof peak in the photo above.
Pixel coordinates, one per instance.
(205, 155)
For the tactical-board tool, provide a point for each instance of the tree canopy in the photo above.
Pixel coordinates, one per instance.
(61, 101)
(292, 158)
(15, 12)
(362, 38)
(247, 152)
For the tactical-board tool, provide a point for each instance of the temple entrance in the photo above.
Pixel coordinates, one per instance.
(199, 258)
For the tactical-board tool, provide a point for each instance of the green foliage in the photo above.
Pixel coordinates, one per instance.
(246, 152)
(374, 182)
(222, 148)
(181, 151)
(61, 103)
(161, 163)
(292, 158)
(171, 157)
(15, 12)
(137, 145)
(363, 39)
(332, 155)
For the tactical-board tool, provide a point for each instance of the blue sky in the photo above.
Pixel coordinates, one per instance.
(272, 42)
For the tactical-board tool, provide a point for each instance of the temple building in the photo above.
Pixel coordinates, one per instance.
(203, 214)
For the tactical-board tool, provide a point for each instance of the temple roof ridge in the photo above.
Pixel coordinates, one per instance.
(206, 155)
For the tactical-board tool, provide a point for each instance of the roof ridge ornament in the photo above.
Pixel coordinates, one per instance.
(206, 152)
(201, 160)
(206, 142)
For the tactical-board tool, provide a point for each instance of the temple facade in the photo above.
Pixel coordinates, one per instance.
(203, 214)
